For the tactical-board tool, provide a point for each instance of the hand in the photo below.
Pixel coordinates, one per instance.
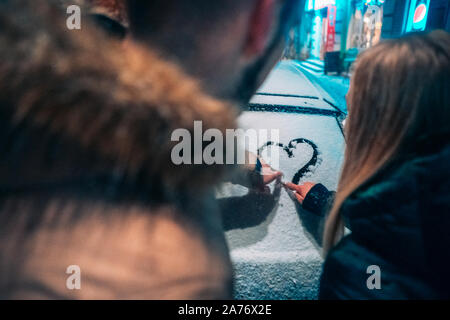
(300, 191)
(269, 174)
(260, 179)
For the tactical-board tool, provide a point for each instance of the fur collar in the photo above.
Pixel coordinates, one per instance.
(116, 104)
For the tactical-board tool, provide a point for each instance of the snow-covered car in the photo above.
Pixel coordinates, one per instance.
(273, 256)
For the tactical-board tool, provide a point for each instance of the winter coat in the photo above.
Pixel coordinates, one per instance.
(400, 223)
(86, 177)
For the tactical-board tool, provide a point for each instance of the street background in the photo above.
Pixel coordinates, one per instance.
(304, 97)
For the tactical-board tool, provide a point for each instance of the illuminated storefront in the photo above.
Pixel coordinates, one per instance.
(321, 17)
(352, 26)
(365, 24)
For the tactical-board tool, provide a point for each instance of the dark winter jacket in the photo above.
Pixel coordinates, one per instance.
(86, 176)
(400, 222)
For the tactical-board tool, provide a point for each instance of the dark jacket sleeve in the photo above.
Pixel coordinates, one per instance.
(314, 211)
(319, 200)
(347, 274)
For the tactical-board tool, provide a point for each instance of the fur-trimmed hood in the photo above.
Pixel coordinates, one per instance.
(74, 103)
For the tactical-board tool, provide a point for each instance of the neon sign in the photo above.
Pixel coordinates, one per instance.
(319, 4)
(418, 14)
(375, 2)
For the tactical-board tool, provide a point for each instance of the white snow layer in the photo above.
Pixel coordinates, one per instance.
(276, 259)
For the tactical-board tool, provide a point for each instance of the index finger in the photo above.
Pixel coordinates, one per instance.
(292, 186)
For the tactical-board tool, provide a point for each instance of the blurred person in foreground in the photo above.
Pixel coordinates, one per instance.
(394, 189)
(85, 167)
(248, 54)
(227, 56)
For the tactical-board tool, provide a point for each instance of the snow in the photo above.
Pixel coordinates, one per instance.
(335, 87)
(292, 101)
(288, 85)
(276, 259)
(286, 78)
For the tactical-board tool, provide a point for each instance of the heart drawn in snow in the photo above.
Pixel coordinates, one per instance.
(289, 149)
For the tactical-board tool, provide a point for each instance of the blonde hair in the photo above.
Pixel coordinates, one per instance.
(399, 91)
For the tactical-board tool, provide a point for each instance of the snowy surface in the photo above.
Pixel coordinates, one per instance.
(276, 258)
(288, 85)
(287, 78)
(292, 101)
(334, 86)
(273, 255)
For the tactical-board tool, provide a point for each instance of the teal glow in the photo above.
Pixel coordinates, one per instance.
(319, 4)
(311, 5)
(418, 14)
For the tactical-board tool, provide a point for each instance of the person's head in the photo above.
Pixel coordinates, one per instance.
(229, 45)
(400, 92)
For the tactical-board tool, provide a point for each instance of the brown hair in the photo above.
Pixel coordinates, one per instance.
(400, 91)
